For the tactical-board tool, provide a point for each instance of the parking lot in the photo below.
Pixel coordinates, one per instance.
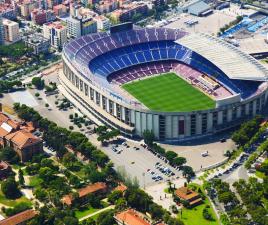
(139, 162)
(212, 23)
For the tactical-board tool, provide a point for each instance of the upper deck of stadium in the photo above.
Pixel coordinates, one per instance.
(100, 56)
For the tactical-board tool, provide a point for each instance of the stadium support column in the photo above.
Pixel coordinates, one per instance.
(220, 117)
(168, 127)
(254, 107)
(238, 112)
(209, 122)
(247, 108)
(107, 105)
(229, 115)
(198, 124)
(115, 109)
(187, 125)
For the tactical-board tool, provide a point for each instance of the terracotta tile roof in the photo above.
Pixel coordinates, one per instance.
(131, 217)
(5, 119)
(121, 187)
(19, 218)
(186, 193)
(3, 132)
(90, 189)
(23, 138)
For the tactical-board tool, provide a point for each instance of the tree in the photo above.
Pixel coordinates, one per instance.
(149, 137)
(114, 196)
(9, 155)
(10, 188)
(106, 218)
(179, 161)
(188, 172)
(38, 83)
(170, 155)
(156, 211)
(21, 178)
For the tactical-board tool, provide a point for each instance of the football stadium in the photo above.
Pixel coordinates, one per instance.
(179, 85)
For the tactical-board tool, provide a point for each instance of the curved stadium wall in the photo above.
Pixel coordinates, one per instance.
(89, 86)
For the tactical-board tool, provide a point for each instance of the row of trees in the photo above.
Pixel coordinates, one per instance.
(7, 86)
(246, 131)
(58, 137)
(220, 191)
(254, 195)
(105, 134)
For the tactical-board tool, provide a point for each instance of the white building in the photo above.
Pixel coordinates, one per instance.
(11, 31)
(56, 33)
(73, 27)
(103, 23)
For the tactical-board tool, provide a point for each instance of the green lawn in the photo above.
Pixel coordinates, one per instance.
(194, 216)
(86, 211)
(11, 202)
(169, 93)
(260, 174)
(35, 181)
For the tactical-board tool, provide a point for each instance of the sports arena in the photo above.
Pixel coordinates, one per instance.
(179, 85)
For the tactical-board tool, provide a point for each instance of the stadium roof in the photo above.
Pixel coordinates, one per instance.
(233, 62)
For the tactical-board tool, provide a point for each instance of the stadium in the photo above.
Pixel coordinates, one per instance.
(179, 85)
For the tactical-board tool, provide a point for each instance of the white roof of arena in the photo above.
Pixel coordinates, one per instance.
(233, 62)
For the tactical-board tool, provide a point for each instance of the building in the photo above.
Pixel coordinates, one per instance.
(38, 43)
(25, 144)
(8, 11)
(11, 31)
(121, 187)
(19, 219)
(56, 32)
(98, 188)
(106, 6)
(88, 25)
(127, 11)
(73, 27)
(74, 9)
(79, 26)
(131, 217)
(60, 10)
(103, 23)
(159, 2)
(197, 8)
(27, 7)
(2, 32)
(17, 136)
(92, 79)
(186, 194)
(5, 170)
(40, 16)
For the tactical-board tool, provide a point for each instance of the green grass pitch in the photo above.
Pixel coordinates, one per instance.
(169, 93)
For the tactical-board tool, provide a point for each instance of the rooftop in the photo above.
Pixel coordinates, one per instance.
(90, 189)
(233, 62)
(19, 218)
(131, 217)
(188, 195)
(23, 138)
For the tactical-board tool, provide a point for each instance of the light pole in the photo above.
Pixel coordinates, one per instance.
(143, 174)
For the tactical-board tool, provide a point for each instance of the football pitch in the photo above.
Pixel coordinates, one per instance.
(169, 93)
